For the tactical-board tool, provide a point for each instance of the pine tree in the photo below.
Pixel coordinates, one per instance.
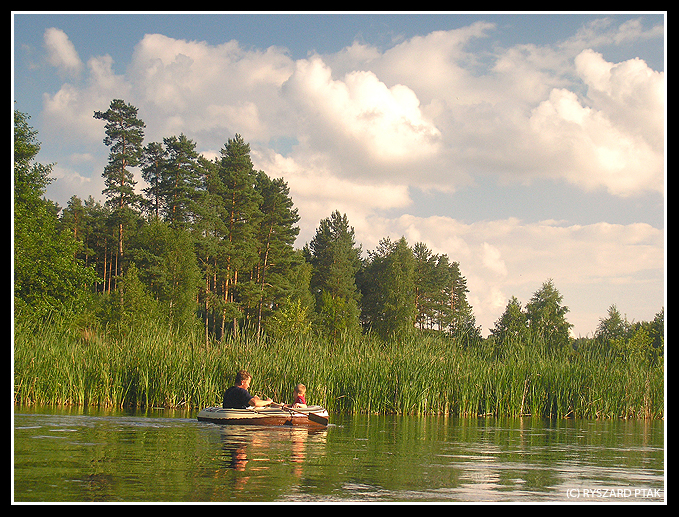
(388, 291)
(276, 236)
(433, 285)
(125, 136)
(153, 164)
(100, 243)
(399, 304)
(179, 180)
(242, 216)
(336, 260)
(209, 231)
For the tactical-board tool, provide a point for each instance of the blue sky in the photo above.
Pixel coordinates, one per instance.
(525, 146)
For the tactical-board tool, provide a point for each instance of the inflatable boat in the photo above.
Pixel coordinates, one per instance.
(268, 415)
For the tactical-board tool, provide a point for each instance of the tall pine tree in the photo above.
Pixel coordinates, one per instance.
(276, 235)
(210, 235)
(388, 290)
(179, 180)
(241, 202)
(153, 164)
(125, 136)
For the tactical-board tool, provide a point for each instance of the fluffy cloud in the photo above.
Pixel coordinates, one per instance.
(584, 146)
(208, 91)
(631, 94)
(436, 66)
(61, 53)
(316, 192)
(68, 114)
(365, 126)
(526, 111)
(617, 142)
(425, 113)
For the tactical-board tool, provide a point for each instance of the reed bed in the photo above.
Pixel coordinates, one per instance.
(421, 374)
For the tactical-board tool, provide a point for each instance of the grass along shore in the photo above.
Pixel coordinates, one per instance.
(422, 374)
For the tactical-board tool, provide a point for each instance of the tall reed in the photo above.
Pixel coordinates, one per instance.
(420, 374)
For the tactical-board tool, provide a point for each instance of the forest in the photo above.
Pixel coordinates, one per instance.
(202, 263)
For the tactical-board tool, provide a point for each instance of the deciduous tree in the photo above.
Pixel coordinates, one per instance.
(48, 275)
(335, 258)
(547, 316)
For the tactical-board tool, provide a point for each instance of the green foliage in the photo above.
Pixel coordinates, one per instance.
(613, 327)
(402, 288)
(292, 318)
(512, 324)
(217, 249)
(48, 276)
(387, 284)
(136, 306)
(419, 374)
(338, 317)
(124, 135)
(30, 179)
(642, 343)
(167, 264)
(433, 285)
(275, 270)
(546, 316)
(543, 321)
(335, 260)
(179, 180)
(153, 162)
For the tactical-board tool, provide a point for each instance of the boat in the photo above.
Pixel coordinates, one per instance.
(267, 415)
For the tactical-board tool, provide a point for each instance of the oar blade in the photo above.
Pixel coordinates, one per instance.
(322, 420)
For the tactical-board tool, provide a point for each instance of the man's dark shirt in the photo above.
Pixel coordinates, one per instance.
(236, 397)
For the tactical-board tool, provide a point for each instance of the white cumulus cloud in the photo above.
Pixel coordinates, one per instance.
(363, 127)
(61, 52)
(359, 120)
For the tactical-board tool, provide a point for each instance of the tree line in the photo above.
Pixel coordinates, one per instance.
(213, 239)
(211, 242)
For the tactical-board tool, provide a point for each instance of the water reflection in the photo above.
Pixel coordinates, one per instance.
(250, 451)
(148, 457)
(489, 459)
(259, 442)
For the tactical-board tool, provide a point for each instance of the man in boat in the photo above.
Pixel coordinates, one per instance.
(238, 397)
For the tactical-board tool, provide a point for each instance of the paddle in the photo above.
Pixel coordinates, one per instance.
(314, 417)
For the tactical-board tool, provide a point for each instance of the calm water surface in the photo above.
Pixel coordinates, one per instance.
(90, 455)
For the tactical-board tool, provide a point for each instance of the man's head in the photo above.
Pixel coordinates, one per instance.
(243, 379)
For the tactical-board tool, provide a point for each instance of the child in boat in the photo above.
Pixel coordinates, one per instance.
(300, 400)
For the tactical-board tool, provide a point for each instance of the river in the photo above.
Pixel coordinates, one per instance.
(91, 455)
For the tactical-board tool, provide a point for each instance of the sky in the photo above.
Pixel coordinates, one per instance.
(525, 146)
